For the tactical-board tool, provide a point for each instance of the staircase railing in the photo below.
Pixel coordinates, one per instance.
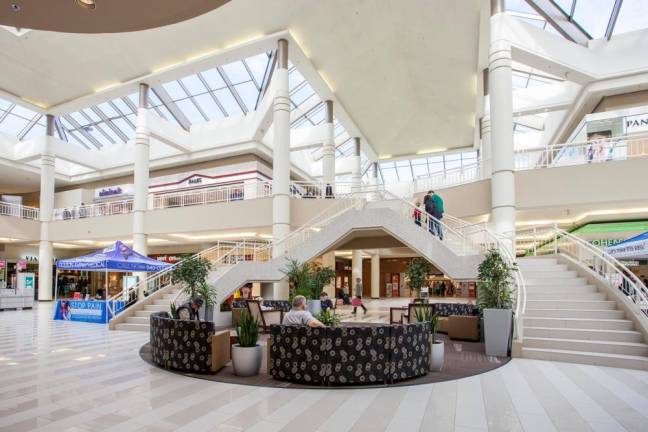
(162, 278)
(553, 240)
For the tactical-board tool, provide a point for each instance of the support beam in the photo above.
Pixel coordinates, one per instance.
(141, 179)
(177, 114)
(281, 161)
(375, 275)
(555, 16)
(45, 249)
(613, 19)
(356, 169)
(328, 150)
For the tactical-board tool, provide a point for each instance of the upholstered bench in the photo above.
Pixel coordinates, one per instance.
(458, 320)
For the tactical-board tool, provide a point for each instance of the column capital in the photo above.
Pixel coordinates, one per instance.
(282, 54)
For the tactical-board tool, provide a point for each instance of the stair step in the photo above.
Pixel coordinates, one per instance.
(138, 320)
(561, 289)
(608, 347)
(551, 272)
(566, 296)
(534, 303)
(578, 323)
(583, 334)
(599, 359)
(577, 313)
(132, 327)
(531, 261)
(164, 302)
(143, 313)
(157, 308)
(554, 281)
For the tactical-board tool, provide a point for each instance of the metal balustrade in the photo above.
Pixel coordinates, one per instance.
(18, 210)
(94, 210)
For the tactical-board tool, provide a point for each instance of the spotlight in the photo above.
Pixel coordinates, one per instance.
(86, 4)
(15, 7)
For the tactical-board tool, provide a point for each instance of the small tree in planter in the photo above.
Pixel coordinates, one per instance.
(495, 299)
(437, 347)
(328, 318)
(308, 280)
(247, 354)
(192, 274)
(417, 273)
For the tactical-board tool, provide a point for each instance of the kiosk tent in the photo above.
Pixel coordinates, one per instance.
(115, 258)
(634, 248)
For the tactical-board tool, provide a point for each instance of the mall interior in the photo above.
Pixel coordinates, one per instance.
(341, 215)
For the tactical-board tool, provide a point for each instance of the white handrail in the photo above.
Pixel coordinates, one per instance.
(94, 210)
(553, 240)
(18, 210)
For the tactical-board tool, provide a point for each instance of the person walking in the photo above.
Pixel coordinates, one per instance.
(416, 214)
(437, 211)
(357, 300)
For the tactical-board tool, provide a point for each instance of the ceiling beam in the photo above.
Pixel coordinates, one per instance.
(613, 19)
(563, 24)
(110, 124)
(177, 114)
(82, 131)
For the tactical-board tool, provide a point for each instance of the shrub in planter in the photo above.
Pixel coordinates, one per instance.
(495, 299)
(437, 347)
(192, 275)
(417, 274)
(328, 318)
(247, 354)
(308, 280)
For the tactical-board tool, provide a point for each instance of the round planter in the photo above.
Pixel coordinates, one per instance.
(315, 307)
(246, 360)
(437, 356)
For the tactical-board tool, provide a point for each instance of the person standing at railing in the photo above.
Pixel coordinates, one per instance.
(82, 211)
(434, 206)
(416, 214)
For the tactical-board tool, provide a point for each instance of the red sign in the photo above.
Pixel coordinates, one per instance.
(2, 264)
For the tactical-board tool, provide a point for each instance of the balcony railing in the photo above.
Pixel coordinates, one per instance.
(220, 194)
(94, 210)
(17, 210)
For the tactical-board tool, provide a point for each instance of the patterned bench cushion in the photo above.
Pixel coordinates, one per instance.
(358, 355)
(447, 309)
(298, 354)
(410, 350)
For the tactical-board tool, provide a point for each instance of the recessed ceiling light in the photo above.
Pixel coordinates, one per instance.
(86, 4)
(15, 7)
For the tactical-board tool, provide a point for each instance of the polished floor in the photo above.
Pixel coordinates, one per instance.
(65, 376)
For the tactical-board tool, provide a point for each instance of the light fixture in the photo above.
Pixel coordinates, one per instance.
(420, 152)
(385, 156)
(86, 4)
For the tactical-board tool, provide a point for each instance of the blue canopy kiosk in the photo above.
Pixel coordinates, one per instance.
(634, 248)
(115, 258)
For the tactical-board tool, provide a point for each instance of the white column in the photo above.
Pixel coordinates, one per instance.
(485, 131)
(375, 275)
(501, 119)
(356, 268)
(141, 180)
(281, 161)
(328, 260)
(374, 181)
(328, 149)
(356, 175)
(45, 250)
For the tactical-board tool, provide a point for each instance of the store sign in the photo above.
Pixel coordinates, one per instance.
(636, 123)
(195, 180)
(21, 265)
(605, 242)
(3, 264)
(113, 192)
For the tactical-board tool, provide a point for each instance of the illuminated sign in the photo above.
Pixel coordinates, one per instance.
(636, 123)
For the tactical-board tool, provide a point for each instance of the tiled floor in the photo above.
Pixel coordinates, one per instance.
(63, 376)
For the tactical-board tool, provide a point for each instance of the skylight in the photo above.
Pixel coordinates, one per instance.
(20, 122)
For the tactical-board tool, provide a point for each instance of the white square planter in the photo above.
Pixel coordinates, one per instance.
(497, 331)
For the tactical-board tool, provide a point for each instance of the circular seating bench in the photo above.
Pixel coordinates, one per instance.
(348, 355)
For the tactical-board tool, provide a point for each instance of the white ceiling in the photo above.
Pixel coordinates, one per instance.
(404, 70)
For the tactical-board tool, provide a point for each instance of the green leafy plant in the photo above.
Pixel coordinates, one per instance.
(425, 314)
(494, 287)
(174, 309)
(192, 273)
(417, 273)
(307, 279)
(207, 293)
(328, 318)
(247, 330)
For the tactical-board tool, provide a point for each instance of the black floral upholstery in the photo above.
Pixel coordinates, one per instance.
(181, 345)
(272, 304)
(410, 350)
(358, 355)
(447, 309)
(349, 355)
(299, 353)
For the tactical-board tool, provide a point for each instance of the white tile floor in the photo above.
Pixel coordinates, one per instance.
(62, 376)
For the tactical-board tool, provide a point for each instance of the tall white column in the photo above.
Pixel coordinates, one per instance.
(328, 149)
(281, 160)
(485, 132)
(356, 174)
(328, 260)
(45, 250)
(141, 179)
(501, 116)
(374, 181)
(356, 268)
(375, 275)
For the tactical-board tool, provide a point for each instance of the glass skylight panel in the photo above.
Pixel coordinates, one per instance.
(258, 65)
(190, 110)
(209, 106)
(175, 91)
(122, 107)
(213, 79)
(192, 85)
(13, 125)
(594, 16)
(633, 15)
(565, 5)
(389, 175)
(36, 131)
(236, 72)
(249, 93)
(229, 103)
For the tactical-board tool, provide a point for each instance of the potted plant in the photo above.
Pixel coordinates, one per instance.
(437, 347)
(417, 273)
(495, 298)
(192, 274)
(328, 318)
(308, 280)
(247, 354)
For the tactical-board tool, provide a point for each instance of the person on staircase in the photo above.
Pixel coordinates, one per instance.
(434, 206)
